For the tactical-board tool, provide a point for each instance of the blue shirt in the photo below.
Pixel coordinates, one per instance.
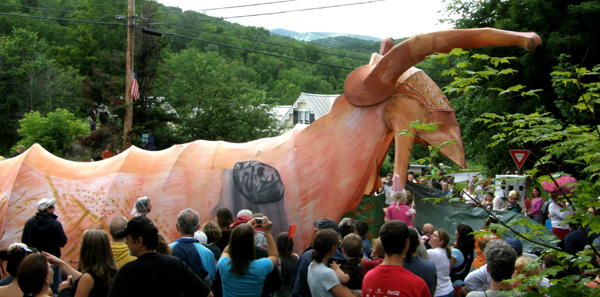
(249, 284)
(197, 256)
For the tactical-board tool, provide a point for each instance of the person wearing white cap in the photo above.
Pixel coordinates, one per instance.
(44, 232)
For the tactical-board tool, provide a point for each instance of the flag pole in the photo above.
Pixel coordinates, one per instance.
(127, 122)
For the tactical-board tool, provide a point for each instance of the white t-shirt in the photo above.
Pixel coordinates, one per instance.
(442, 263)
(499, 203)
(558, 215)
(321, 279)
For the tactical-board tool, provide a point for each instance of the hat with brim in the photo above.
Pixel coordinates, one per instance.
(44, 203)
(138, 227)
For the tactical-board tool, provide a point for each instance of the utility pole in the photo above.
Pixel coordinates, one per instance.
(129, 73)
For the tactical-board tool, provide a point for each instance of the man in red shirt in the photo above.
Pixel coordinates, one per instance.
(390, 278)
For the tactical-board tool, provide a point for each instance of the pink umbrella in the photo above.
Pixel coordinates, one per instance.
(566, 183)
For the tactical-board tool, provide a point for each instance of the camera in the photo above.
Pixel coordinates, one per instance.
(259, 221)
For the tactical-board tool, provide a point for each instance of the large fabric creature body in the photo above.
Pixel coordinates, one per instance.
(316, 171)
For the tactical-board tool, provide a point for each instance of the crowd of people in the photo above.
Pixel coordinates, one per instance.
(239, 256)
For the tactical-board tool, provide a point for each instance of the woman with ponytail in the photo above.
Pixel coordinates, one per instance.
(322, 280)
(34, 276)
(441, 255)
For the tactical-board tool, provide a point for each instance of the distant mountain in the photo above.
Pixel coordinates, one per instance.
(312, 36)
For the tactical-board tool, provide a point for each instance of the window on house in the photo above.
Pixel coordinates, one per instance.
(304, 116)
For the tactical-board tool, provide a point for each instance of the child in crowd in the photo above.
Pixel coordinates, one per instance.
(488, 201)
(513, 202)
(427, 232)
(362, 228)
(353, 269)
(399, 210)
(377, 254)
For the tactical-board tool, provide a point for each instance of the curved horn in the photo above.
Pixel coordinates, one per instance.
(369, 85)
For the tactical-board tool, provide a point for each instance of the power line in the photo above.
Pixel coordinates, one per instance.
(186, 37)
(247, 5)
(258, 52)
(273, 43)
(270, 13)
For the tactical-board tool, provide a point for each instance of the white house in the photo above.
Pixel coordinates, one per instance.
(307, 109)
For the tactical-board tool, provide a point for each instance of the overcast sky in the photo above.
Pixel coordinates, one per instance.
(390, 18)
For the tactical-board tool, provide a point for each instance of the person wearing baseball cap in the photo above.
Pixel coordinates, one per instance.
(45, 233)
(140, 277)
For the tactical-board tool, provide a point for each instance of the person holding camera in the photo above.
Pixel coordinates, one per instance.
(241, 273)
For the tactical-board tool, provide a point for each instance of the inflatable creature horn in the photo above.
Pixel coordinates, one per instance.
(369, 85)
(396, 184)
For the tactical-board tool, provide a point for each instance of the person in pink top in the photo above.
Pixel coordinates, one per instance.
(535, 211)
(398, 210)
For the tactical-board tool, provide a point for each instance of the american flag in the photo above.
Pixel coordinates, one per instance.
(135, 92)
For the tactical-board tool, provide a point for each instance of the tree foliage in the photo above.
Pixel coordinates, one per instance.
(557, 148)
(54, 131)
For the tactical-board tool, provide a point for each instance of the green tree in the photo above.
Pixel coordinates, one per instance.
(556, 147)
(211, 102)
(54, 132)
(31, 80)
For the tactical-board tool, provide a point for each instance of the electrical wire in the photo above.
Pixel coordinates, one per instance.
(246, 5)
(186, 37)
(274, 43)
(270, 13)
(256, 51)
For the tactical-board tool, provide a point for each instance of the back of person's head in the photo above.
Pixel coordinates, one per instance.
(117, 224)
(428, 229)
(323, 243)
(212, 231)
(224, 218)
(490, 220)
(521, 267)
(141, 207)
(162, 246)
(346, 226)
(399, 197)
(141, 227)
(378, 248)
(413, 235)
(516, 244)
(352, 245)
(484, 241)
(466, 240)
(362, 227)
(500, 258)
(33, 274)
(394, 235)
(241, 248)
(13, 256)
(188, 221)
(96, 255)
(244, 213)
(285, 245)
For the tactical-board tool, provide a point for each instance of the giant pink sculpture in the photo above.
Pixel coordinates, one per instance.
(316, 171)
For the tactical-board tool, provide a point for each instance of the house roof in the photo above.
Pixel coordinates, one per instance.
(318, 104)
